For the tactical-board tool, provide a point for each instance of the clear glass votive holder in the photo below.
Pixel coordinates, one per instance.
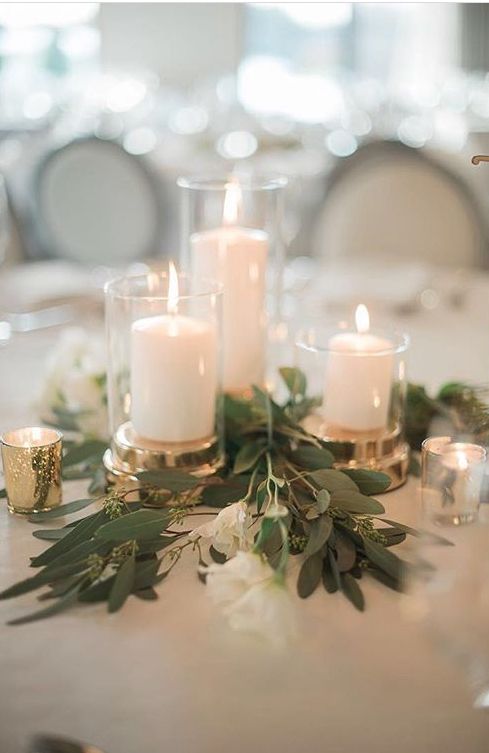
(31, 460)
(447, 580)
(164, 374)
(451, 480)
(357, 376)
(232, 231)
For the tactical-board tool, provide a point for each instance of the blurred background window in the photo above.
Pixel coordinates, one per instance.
(292, 88)
(40, 45)
(297, 55)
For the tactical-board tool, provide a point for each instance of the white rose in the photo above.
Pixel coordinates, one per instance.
(230, 530)
(252, 598)
(75, 381)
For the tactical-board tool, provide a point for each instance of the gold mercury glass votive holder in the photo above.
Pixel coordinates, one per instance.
(32, 469)
(451, 480)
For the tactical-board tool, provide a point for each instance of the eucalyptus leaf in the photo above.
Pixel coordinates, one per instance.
(58, 512)
(274, 413)
(171, 479)
(355, 503)
(3, 493)
(97, 592)
(329, 581)
(272, 542)
(384, 559)
(146, 594)
(81, 532)
(146, 573)
(333, 480)
(393, 536)
(231, 490)
(346, 552)
(333, 566)
(323, 500)
(65, 602)
(310, 575)
(369, 482)
(386, 580)
(93, 449)
(237, 410)
(49, 575)
(79, 552)
(248, 456)
(50, 534)
(428, 535)
(138, 525)
(312, 458)
(295, 381)
(147, 576)
(98, 482)
(151, 546)
(352, 591)
(319, 532)
(123, 584)
(60, 588)
(261, 495)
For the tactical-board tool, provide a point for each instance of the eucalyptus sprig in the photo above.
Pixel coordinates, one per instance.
(303, 505)
(464, 407)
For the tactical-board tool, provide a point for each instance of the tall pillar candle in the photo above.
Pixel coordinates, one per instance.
(173, 375)
(358, 382)
(237, 257)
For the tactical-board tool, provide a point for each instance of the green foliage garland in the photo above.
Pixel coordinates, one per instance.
(132, 539)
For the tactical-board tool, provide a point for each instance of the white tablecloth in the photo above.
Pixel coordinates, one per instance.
(168, 676)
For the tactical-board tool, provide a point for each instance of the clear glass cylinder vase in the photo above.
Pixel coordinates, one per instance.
(232, 232)
(164, 378)
(358, 382)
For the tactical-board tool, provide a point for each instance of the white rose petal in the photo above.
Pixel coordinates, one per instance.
(230, 530)
(228, 582)
(252, 599)
(265, 609)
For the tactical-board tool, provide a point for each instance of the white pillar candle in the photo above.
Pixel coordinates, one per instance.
(358, 382)
(173, 374)
(237, 258)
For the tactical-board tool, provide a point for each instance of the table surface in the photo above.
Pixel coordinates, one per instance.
(169, 676)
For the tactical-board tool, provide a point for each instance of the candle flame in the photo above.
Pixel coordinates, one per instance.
(462, 461)
(233, 200)
(172, 303)
(362, 319)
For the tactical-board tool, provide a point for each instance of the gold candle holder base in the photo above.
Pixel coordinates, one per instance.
(383, 450)
(130, 454)
(32, 469)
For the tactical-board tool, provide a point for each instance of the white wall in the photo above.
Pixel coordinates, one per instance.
(180, 41)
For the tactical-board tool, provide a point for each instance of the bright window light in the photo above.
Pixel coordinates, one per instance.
(318, 15)
(267, 86)
(47, 14)
(312, 15)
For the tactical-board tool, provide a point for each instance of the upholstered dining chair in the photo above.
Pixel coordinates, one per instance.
(94, 203)
(394, 203)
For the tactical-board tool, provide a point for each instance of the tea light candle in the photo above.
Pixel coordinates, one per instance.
(32, 468)
(237, 257)
(451, 479)
(358, 380)
(173, 374)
